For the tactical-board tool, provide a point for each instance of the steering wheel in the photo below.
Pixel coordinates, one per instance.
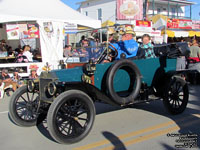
(115, 51)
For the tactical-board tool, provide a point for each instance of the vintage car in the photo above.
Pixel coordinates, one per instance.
(67, 96)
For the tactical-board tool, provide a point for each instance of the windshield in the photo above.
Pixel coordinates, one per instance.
(87, 45)
(92, 44)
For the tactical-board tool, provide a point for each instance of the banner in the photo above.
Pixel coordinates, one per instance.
(12, 31)
(33, 31)
(195, 24)
(48, 28)
(70, 28)
(129, 9)
(30, 42)
(51, 40)
(179, 24)
(141, 25)
(23, 31)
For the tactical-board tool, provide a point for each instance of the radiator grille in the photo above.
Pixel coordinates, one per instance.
(43, 89)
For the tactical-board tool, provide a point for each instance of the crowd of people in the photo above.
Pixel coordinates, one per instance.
(21, 54)
(11, 83)
(123, 41)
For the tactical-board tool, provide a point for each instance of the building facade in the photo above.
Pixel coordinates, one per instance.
(106, 9)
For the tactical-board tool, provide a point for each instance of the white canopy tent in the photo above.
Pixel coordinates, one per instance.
(42, 11)
(48, 10)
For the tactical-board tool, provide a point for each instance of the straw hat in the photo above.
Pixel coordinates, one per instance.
(129, 30)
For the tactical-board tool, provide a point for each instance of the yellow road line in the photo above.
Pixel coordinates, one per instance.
(131, 134)
(151, 136)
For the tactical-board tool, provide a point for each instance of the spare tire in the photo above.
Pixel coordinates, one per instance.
(135, 81)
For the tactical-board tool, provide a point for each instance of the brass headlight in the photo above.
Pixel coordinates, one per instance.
(31, 86)
(51, 88)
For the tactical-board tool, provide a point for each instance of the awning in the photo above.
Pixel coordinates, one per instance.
(107, 23)
(168, 32)
(180, 33)
(197, 34)
(159, 21)
(194, 33)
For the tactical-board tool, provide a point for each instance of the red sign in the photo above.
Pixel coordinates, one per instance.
(141, 23)
(195, 24)
(179, 24)
(33, 31)
(129, 9)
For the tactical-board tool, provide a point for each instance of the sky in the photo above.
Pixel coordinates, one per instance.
(195, 8)
(72, 3)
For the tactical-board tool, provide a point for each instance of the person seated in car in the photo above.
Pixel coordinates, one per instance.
(146, 48)
(127, 45)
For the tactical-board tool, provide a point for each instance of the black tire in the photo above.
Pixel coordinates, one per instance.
(23, 110)
(135, 77)
(176, 95)
(70, 117)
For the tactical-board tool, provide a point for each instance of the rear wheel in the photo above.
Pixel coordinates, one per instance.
(176, 95)
(70, 117)
(23, 107)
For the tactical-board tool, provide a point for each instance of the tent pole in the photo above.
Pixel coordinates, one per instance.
(177, 9)
(168, 8)
(153, 6)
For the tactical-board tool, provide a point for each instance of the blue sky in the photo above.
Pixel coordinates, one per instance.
(72, 3)
(195, 8)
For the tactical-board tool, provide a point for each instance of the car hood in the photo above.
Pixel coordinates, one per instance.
(64, 75)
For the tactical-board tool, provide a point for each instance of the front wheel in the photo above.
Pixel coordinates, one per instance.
(70, 117)
(176, 95)
(23, 107)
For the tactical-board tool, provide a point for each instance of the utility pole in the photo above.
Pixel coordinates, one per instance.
(145, 9)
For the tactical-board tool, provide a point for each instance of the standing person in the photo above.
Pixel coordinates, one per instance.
(92, 45)
(194, 56)
(82, 39)
(84, 55)
(195, 50)
(146, 48)
(27, 53)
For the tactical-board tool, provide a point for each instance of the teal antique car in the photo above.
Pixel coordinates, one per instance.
(67, 96)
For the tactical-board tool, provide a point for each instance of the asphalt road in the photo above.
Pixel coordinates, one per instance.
(143, 127)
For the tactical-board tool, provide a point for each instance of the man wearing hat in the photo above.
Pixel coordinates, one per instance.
(127, 45)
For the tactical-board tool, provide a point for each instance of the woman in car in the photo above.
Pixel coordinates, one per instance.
(146, 48)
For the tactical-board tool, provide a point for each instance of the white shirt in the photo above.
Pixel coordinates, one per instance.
(29, 55)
